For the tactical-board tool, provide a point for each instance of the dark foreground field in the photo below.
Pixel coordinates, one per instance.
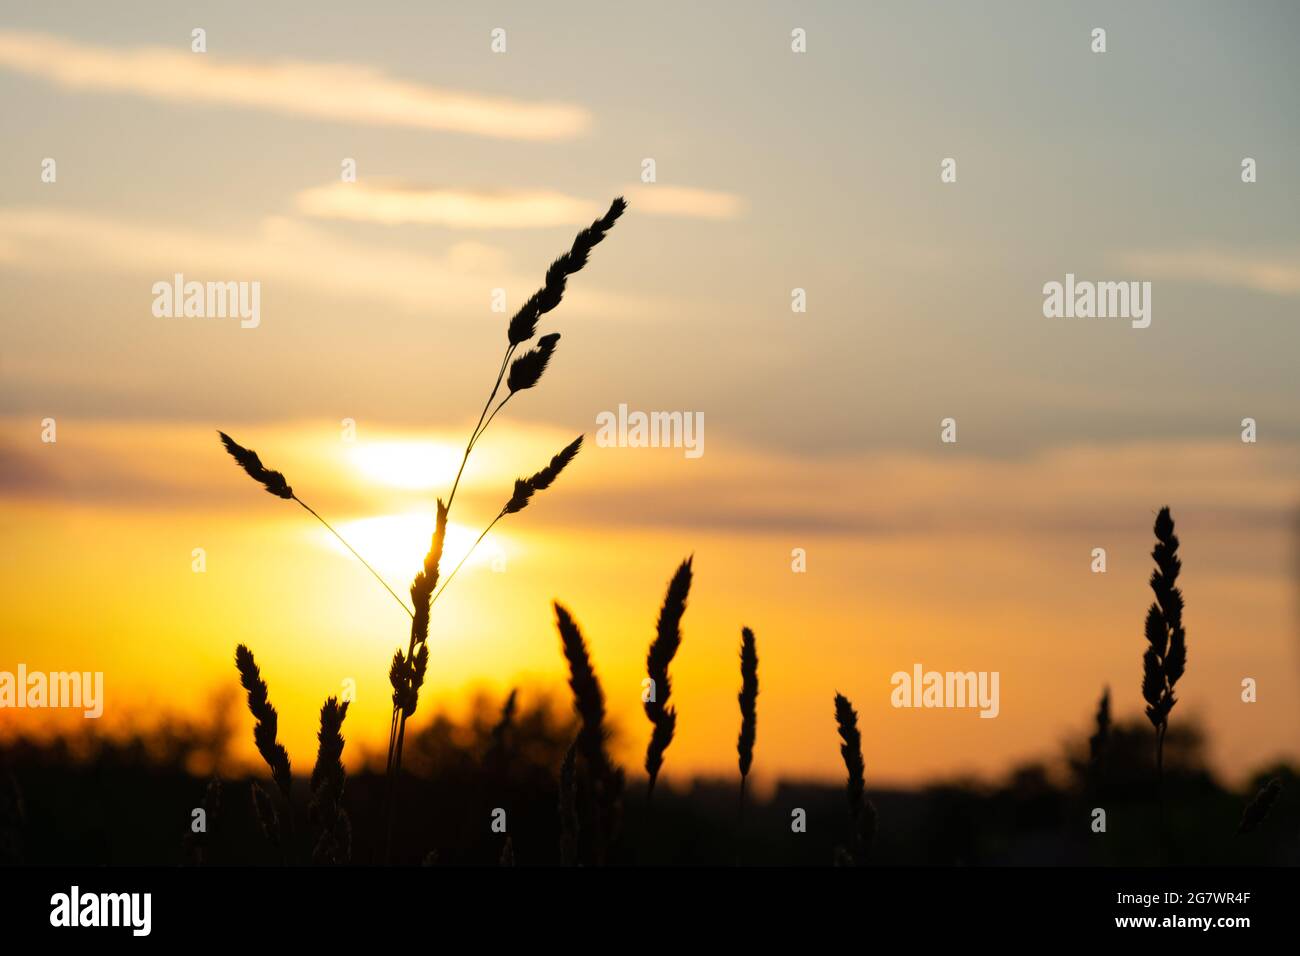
(131, 801)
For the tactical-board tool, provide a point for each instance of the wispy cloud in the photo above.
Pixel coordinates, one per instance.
(45, 240)
(338, 92)
(395, 203)
(660, 199)
(1277, 274)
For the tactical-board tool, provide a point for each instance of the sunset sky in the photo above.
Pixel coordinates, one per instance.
(775, 171)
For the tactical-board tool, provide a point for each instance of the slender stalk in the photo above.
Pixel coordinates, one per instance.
(393, 777)
(479, 428)
(392, 736)
(396, 738)
(389, 783)
(474, 441)
(1162, 835)
(740, 824)
(409, 612)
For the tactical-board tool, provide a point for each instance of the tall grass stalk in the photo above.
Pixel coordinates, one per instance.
(668, 638)
(524, 372)
(518, 372)
(1166, 654)
(748, 699)
(407, 672)
(278, 826)
(589, 704)
(523, 325)
(862, 814)
(325, 812)
(266, 730)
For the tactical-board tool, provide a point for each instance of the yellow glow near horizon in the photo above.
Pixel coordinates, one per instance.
(1007, 536)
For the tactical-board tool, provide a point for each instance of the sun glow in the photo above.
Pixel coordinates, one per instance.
(408, 464)
(396, 545)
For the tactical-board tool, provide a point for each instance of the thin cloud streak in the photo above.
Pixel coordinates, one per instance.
(339, 92)
(659, 199)
(1276, 275)
(394, 203)
(398, 203)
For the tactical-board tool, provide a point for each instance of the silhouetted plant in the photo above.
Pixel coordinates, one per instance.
(1166, 653)
(523, 326)
(332, 825)
(748, 698)
(862, 814)
(525, 372)
(333, 840)
(267, 726)
(589, 703)
(264, 810)
(407, 671)
(668, 637)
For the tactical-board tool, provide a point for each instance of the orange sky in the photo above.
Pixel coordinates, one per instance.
(957, 564)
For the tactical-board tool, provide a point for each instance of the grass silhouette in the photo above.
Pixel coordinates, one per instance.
(604, 780)
(588, 786)
(668, 637)
(407, 671)
(1166, 653)
(748, 700)
(862, 814)
(331, 828)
